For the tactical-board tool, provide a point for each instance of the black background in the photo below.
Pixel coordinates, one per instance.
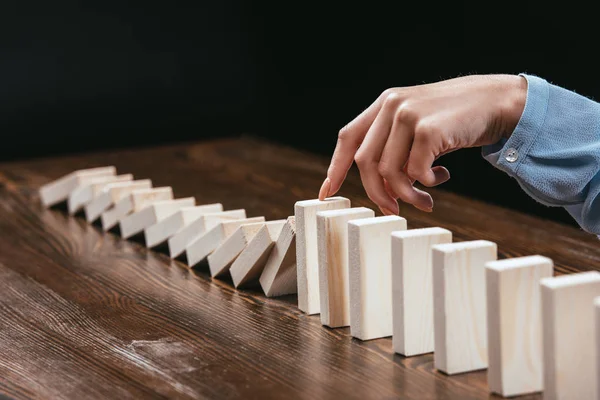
(82, 76)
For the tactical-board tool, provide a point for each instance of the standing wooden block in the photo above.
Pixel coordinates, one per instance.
(85, 192)
(248, 266)
(307, 256)
(459, 305)
(412, 294)
(163, 230)
(514, 324)
(370, 275)
(138, 221)
(205, 244)
(597, 336)
(58, 190)
(332, 238)
(178, 242)
(226, 253)
(122, 203)
(108, 197)
(568, 335)
(279, 276)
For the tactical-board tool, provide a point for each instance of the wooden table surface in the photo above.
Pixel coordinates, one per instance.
(84, 314)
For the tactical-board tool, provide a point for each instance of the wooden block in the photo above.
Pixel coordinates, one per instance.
(459, 305)
(227, 252)
(58, 190)
(121, 201)
(93, 187)
(138, 221)
(279, 276)
(597, 339)
(163, 230)
(249, 265)
(568, 335)
(514, 324)
(307, 256)
(109, 196)
(370, 275)
(178, 242)
(205, 244)
(140, 199)
(412, 294)
(332, 239)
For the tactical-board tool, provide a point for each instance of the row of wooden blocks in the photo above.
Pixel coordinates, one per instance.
(531, 330)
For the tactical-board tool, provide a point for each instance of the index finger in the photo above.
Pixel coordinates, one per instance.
(349, 140)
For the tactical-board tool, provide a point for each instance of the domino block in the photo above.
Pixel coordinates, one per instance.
(597, 339)
(568, 335)
(122, 203)
(85, 192)
(307, 256)
(205, 244)
(138, 221)
(332, 239)
(459, 305)
(225, 253)
(412, 294)
(105, 200)
(514, 324)
(58, 190)
(279, 276)
(163, 230)
(249, 265)
(178, 242)
(370, 275)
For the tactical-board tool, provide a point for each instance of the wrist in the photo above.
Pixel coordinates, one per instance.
(513, 104)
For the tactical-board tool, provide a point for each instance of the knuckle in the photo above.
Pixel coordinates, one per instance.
(426, 131)
(406, 113)
(361, 159)
(392, 99)
(344, 133)
(386, 170)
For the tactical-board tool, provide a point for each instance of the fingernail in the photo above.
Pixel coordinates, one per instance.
(324, 191)
(385, 211)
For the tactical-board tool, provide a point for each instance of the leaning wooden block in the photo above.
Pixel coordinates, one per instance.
(58, 190)
(412, 294)
(121, 200)
(138, 221)
(136, 200)
(228, 251)
(332, 239)
(178, 242)
(163, 230)
(85, 192)
(370, 275)
(250, 263)
(514, 324)
(205, 244)
(568, 335)
(307, 257)
(279, 275)
(459, 305)
(110, 194)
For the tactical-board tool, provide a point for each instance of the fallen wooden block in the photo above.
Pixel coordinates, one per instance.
(514, 324)
(370, 275)
(227, 252)
(459, 305)
(332, 239)
(163, 230)
(178, 242)
(279, 276)
(122, 203)
(249, 265)
(109, 196)
(58, 190)
(205, 244)
(85, 192)
(307, 257)
(138, 221)
(412, 294)
(568, 335)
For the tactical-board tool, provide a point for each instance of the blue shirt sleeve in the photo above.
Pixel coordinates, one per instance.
(554, 151)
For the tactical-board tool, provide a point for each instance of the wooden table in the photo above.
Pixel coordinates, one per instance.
(85, 314)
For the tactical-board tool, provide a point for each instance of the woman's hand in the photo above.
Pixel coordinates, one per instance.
(396, 140)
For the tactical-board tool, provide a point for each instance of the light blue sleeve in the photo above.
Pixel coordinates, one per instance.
(554, 151)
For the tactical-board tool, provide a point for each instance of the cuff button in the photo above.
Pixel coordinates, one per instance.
(511, 155)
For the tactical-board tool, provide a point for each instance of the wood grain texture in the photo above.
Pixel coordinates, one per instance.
(568, 335)
(459, 305)
(87, 315)
(514, 324)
